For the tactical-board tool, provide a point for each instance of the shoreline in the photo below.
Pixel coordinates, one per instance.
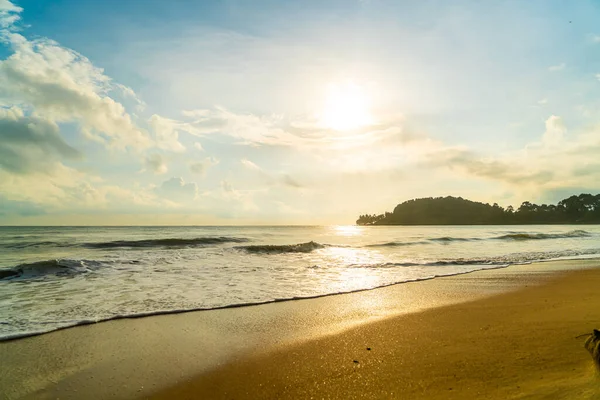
(523, 344)
(19, 336)
(103, 360)
(254, 304)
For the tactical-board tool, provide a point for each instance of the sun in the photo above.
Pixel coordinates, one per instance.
(346, 107)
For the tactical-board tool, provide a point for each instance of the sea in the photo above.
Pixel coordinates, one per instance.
(57, 277)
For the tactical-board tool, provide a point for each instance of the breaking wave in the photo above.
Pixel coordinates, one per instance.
(281, 249)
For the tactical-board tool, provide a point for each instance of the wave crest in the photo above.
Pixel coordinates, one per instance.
(281, 249)
(540, 236)
(49, 267)
(445, 239)
(25, 245)
(394, 244)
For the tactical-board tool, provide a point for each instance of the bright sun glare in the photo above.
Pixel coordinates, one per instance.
(346, 107)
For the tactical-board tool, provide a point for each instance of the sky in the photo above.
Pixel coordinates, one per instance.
(146, 112)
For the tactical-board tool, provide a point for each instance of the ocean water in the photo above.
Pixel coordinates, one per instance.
(55, 277)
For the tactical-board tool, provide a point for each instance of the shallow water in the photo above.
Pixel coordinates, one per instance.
(53, 277)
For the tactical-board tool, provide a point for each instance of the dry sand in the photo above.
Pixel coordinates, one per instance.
(507, 333)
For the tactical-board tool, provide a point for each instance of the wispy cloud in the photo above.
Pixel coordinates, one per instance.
(483, 167)
(532, 168)
(9, 13)
(289, 181)
(250, 165)
(271, 178)
(277, 130)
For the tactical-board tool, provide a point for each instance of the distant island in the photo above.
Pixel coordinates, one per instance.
(581, 209)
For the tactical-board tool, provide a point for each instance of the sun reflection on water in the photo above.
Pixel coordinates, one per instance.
(348, 230)
(349, 269)
(352, 256)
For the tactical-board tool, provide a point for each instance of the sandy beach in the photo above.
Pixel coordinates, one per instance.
(519, 345)
(295, 200)
(497, 334)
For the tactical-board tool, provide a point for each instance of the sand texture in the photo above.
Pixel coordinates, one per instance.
(519, 345)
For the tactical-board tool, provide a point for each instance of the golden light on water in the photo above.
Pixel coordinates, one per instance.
(346, 107)
(348, 230)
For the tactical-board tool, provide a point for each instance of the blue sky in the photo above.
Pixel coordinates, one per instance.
(269, 112)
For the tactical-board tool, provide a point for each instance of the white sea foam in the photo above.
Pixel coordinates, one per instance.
(51, 278)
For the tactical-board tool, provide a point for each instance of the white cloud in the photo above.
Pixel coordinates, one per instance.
(9, 13)
(44, 85)
(166, 133)
(598, 76)
(292, 159)
(555, 130)
(61, 85)
(130, 94)
(250, 129)
(596, 38)
(307, 133)
(155, 163)
(203, 166)
(556, 68)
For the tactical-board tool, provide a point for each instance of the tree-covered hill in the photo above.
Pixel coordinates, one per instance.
(581, 209)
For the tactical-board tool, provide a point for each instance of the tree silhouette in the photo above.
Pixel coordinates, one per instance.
(583, 208)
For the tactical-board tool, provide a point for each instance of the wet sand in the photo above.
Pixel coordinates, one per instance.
(506, 333)
(520, 345)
